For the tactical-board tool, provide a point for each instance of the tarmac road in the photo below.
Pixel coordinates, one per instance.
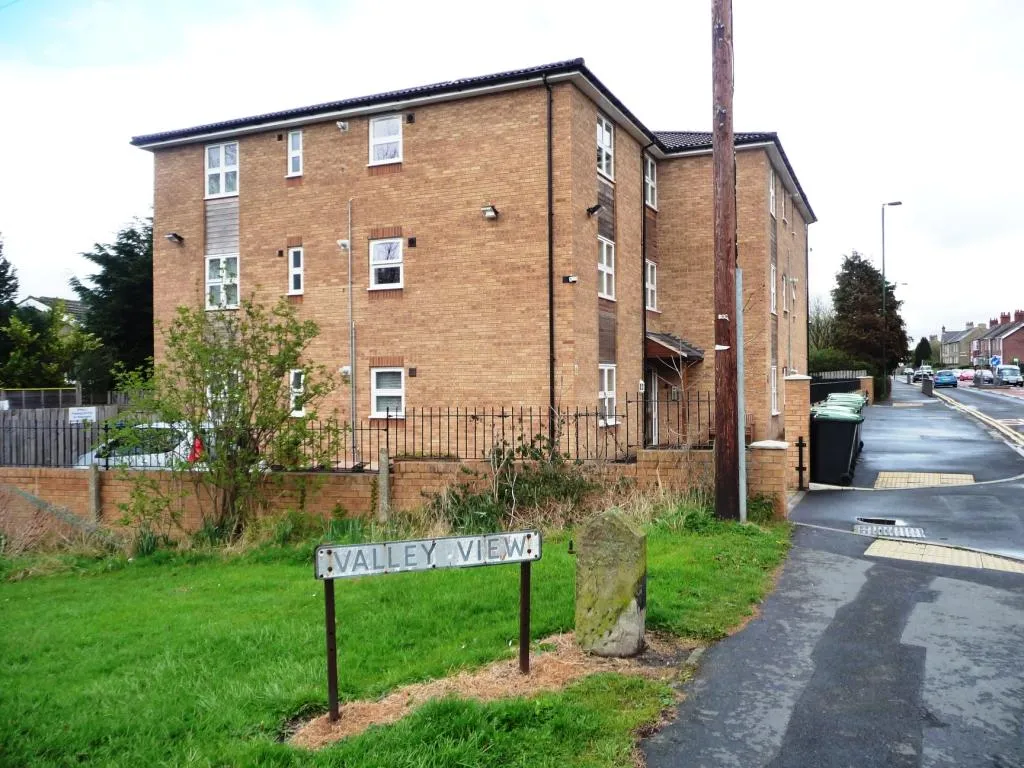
(922, 434)
(860, 662)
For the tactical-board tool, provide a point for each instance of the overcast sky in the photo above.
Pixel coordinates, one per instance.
(877, 100)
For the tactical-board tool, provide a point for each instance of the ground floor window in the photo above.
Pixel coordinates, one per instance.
(387, 393)
(606, 393)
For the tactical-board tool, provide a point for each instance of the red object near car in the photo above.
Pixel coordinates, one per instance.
(966, 375)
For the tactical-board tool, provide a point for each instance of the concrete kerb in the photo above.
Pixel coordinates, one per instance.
(911, 541)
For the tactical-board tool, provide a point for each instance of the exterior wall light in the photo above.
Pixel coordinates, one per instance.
(489, 212)
(174, 237)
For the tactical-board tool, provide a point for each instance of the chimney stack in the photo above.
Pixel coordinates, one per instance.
(969, 326)
(943, 329)
(1018, 316)
(993, 323)
(1004, 318)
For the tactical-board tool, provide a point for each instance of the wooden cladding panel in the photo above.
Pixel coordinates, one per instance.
(606, 333)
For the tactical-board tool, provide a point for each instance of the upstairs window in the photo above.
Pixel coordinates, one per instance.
(222, 282)
(605, 147)
(652, 285)
(296, 263)
(785, 293)
(294, 153)
(771, 191)
(297, 391)
(650, 182)
(387, 393)
(772, 279)
(386, 268)
(222, 169)
(386, 140)
(605, 268)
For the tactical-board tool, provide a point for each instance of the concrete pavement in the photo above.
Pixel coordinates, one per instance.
(859, 662)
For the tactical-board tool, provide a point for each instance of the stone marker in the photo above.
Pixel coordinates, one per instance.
(611, 585)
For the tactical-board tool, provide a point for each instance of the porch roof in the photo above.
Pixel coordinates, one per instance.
(667, 345)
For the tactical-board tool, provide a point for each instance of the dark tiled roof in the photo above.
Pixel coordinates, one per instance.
(667, 141)
(1011, 328)
(73, 307)
(949, 337)
(448, 86)
(996, 331)
(673, 141)
(674, 342)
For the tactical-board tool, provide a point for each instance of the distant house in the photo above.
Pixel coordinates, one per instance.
(1013, 340)
(74, 309)
(991, 343)
(956, 345)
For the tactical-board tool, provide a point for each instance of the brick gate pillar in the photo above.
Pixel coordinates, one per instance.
(798, 424)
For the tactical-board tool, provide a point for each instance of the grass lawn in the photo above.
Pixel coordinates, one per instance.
(201, 660)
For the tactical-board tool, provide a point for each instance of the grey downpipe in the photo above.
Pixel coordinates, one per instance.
(351, 341)
(551, 270)
(643, 289)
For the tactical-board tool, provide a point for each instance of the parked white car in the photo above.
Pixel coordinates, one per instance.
(1009, 375)
(148, 446)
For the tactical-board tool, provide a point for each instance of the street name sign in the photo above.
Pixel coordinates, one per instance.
(82, 414)
(334, 562)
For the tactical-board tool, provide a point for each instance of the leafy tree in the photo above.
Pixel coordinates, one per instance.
(119, 304)
(829, 359)
(922, 353)
(821, 326)
(42, 348)
(860, 329)
(231, 378)
(8, 292)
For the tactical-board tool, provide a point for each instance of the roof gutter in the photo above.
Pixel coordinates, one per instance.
(781, 163)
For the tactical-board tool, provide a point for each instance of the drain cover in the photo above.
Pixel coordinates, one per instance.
(889, 531)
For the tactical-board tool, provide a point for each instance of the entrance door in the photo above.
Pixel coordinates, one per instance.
(652, 407)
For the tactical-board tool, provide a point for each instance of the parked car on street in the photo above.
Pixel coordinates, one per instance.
(922, 372)
(967, 374)
(1009, 375)
(147, 446)
(945, 378)
(983, 376)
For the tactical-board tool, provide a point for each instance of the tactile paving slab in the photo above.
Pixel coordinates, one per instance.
(920, 479)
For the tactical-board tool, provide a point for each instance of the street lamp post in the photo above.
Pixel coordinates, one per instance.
(885, 319)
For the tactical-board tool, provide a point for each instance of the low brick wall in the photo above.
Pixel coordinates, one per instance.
(322, 494)
(356, 494)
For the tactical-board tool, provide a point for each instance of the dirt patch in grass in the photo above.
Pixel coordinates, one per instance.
(550, 670)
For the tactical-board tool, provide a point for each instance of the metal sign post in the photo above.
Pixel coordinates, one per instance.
(332, 562)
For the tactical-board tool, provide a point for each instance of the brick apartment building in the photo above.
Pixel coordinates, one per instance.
(499, 254)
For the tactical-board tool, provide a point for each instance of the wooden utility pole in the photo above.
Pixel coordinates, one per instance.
(727, 505)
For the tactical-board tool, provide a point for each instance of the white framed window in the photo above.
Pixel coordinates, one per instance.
(386, 264)
(652, 285)
(606, 394)
(386, 140)
(771, 190)
(294, 153)
(775, 390)
(650, 182)
(785, 293)
(605, 268)
(222, 169)
(772, 278)
(605, 147)
(296, 265)
(222, 282)
(296, 391)
(387, 393)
